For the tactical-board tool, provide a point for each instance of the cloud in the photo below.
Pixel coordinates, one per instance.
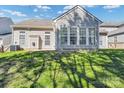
(43, 7)
(111, 6)
(65, 9)
(60, 12)
(1, 14)
(16, 13)
(37, 16)
(91, 6)
(35, 10)
(110, 11)
(70, 6)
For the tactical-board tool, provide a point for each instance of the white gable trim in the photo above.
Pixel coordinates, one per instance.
(75, 7)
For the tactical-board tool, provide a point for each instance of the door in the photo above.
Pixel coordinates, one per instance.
(34, 42)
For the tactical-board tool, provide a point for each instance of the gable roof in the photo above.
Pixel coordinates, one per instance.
(5, 25)
(118, 31)
(77, 6)
(35, 23)
(112, 24)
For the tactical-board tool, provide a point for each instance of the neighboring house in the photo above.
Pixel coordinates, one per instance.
(5, 32)
(34, 34)
(106, 33)
(116, 38)
(74, 29)
(105, 28)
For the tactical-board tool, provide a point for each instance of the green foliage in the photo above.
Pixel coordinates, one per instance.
(104, 68)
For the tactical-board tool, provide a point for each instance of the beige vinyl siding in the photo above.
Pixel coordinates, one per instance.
(116, 41)
(28, 39)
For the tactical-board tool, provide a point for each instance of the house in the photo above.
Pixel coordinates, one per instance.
(106, 31)
(105, 28)
(116, 38)
(74, 29)
(34, 34)
(5, 32)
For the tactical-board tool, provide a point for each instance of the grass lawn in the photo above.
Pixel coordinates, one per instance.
(104, 68)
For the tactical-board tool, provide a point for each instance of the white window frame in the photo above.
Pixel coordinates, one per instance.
(64, 35)
(92, 36)
(22, 37)
(83, 36)
(73, 36)
(47, 39)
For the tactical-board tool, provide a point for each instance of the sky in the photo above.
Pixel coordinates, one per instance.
(108, 13)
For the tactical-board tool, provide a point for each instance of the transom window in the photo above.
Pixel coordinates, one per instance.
(63, 34)
(73, 36)
(82, 34)
(47, 32)
(91, 36)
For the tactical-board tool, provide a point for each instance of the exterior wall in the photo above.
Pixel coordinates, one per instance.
(116, 41)
(1, 41)
(36, 40)
(6, 39)
(5, 24)
(103, 41)
(28, 39)
(77, 18)
(107, 29)
(104, 38)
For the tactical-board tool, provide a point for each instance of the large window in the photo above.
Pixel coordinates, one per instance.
(22, 38)
(73, 36)
(47, 38)
(82, 34)
(91, 36)
(63, 34)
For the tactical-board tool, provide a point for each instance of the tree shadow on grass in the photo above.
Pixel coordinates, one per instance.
(74, 67)
(117, 62)
(26, 62)
(113, 69)
(71, 68)
(97, 82)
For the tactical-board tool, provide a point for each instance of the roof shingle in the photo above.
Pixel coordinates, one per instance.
(35, 23)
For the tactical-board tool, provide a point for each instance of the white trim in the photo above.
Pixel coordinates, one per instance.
(75, 7)
(78, 36)
(77, 33)
(68, 36)
(87, 36)
(94, 34)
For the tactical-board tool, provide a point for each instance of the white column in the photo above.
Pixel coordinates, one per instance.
(87, 36)
(68, 36)
(78, 38)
